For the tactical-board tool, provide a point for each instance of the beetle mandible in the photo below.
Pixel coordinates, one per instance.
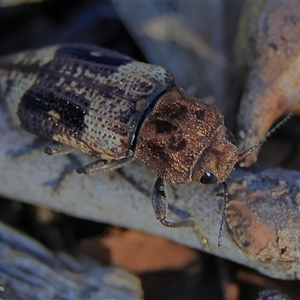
(116, 109)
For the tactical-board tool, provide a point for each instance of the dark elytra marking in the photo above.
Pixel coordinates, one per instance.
(146, 87)
(107, 91)
(85, 55)
(120, 130)
(177, 143)
(162, 126)
(126, 116)
(39, 105)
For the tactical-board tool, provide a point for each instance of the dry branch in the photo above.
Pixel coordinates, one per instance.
(29, 271)
(268, 43)
(263, 215)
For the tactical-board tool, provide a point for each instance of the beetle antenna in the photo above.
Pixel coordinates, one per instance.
(226, 199)
(245, 153)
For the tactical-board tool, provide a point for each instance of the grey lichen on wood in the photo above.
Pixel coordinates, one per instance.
(30, 271)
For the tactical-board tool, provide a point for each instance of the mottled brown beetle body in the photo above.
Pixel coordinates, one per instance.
(114, 108)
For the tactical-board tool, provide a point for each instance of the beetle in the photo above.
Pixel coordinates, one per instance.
(116, 109)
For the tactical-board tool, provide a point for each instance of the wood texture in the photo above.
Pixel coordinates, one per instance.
(259, 198)
(30, 271)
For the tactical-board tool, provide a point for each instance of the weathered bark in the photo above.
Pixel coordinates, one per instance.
(262, 217)
(29, 271)
(268, 44)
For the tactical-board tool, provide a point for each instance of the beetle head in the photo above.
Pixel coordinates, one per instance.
(217, 161)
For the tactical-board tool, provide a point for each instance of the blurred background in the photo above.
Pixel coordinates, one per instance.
(194, 40)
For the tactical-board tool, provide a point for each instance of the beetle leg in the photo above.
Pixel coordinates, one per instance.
(160, 206)
(58, 149)
(102, 165)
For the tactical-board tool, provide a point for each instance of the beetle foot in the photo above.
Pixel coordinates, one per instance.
(189, 222)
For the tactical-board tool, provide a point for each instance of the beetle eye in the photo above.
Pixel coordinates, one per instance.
(208, 178)
(230, 137)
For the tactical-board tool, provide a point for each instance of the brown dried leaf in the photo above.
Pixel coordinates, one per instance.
(140, 252)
